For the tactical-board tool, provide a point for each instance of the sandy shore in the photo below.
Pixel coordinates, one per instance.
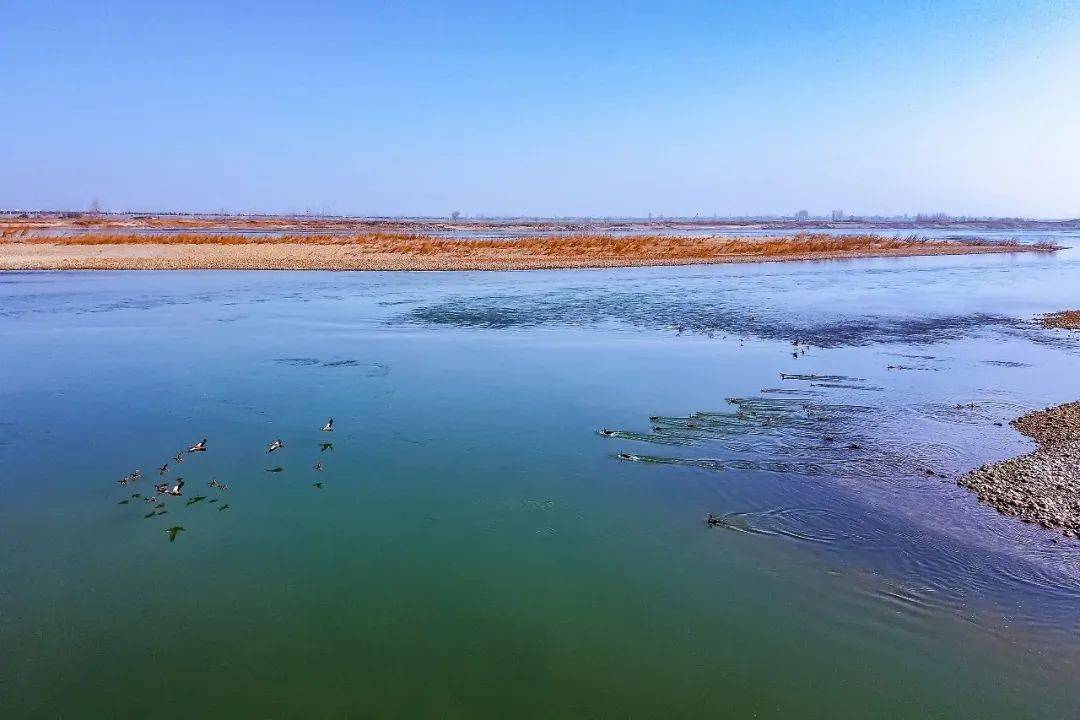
(1043, 486)
(421, 253)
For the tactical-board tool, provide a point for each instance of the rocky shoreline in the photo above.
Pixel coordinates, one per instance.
(1066, 319)
(1043, 486)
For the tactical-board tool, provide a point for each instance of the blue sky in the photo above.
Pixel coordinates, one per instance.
(550, 108)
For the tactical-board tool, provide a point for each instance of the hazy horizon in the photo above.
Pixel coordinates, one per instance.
(463, 217)
(557, 111)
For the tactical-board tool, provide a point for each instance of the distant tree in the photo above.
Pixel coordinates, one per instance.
(455, 215)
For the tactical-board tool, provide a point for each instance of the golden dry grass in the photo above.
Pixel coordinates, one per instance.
(404, 251)
(548, 246)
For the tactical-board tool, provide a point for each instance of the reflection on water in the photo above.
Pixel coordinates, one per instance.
(472, 544)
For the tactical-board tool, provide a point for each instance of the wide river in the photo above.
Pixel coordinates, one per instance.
(475, 547)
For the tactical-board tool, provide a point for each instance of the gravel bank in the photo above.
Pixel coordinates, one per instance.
(1066, 319)
(1043, 486)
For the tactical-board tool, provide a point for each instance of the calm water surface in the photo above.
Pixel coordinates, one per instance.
(477, 548)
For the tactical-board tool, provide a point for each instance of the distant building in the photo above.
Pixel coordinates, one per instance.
(802, 215)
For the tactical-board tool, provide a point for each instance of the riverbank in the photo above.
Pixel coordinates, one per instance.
(1043, 486)
(389, 251)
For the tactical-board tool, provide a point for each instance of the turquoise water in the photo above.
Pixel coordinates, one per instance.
(477, 548)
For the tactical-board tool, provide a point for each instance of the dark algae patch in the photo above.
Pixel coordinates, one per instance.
(700, 315)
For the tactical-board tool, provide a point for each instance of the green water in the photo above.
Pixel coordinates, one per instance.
(476, 549)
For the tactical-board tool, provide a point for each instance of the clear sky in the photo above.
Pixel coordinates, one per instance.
(550, 108)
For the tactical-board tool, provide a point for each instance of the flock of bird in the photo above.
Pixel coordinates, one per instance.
(166, 489)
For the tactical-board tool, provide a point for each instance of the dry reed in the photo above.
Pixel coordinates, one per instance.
(573, 247)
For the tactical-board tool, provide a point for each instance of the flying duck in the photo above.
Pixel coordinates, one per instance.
(329, 426)
(176, 490)
(276, 445)
(198, 447)
(163, 469)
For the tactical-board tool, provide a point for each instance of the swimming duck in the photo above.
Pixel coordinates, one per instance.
(199, 446)
(130, 477)
(712, 521)
(607, 433)
(628, 456)
(329, 426)
(276, 445)
(176, 490)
